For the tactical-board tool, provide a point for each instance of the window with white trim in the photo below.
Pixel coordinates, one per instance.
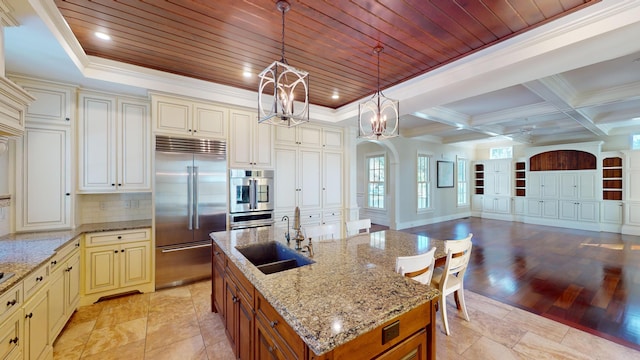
(635, 142)
(376, 181)
(505, 152)
(463, 184)
(424, 182)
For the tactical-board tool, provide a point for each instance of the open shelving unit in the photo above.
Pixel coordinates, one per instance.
(479, 179)
(612, 178)
(520, 177)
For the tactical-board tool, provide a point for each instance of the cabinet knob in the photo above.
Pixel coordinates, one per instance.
(273, 323)
(119, 237)
(113, 184)
(119, 184)
(195, 131)
(39, 278)
(115, 251)
(54, 262)
(28, 316)
(68, 194)
(69, 268)
(12, 302)
(14, 340)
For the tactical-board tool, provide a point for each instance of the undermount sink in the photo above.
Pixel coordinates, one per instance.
(272, 257)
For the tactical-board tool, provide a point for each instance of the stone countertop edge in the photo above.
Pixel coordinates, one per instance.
(351, 289)
(22, 253)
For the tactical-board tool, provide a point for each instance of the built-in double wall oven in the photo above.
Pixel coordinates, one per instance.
(251, 200)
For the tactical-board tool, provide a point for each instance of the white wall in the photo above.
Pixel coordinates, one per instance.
(401, 203)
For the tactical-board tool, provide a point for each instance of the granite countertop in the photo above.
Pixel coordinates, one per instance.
(22, 253)
(351, 288)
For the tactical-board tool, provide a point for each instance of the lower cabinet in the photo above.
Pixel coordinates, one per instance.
(11, 340)
(64, 290)
(117, 262)
(275, 337)
(238, 312)
(37, 344)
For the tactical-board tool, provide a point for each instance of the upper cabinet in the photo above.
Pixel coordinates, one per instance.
(186, 117)
(115, 144)
(309, 135)
(44, 198)
(250, 143)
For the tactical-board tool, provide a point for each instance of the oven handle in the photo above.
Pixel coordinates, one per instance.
(252, 194)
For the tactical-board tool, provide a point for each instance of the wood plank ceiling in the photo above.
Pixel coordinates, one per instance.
(333, 40)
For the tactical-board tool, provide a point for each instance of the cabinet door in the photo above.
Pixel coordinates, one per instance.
(245, 328)
(266, 348)
(210, 121)
(534, 185)
(518, 205)
(134, 146)
(332, 138)
(588, 211)
(310, 136)
(568, 210)
(534, 207)
(43, 179)
(568, 186)
(101, 269)
(332, 179)
(172, 116)
(286, 184)
(549, 186)
(53, 104)
(230, 309)
(262, 144)
(11, 336)
(587, 186)
(218, 288)
(240, 142)
(135, 263)
(550, 209)
(57, 311)
(310, 179)
(97, 137)
(36, 329)
(72, 284)
(611, 212)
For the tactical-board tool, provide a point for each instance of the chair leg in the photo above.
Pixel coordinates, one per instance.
(463, 305)
(443, 310)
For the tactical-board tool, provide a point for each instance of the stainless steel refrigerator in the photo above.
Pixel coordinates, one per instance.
(190, 202)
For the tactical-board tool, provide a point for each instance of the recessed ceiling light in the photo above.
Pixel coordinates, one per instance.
(247, 74)
(335, 96)
(103, 36)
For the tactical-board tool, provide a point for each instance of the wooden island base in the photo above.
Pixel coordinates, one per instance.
(257, 331)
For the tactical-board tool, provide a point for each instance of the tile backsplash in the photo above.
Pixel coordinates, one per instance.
(96, 208)
(5, 203)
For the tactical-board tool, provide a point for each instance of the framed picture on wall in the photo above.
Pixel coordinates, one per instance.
(445, 174)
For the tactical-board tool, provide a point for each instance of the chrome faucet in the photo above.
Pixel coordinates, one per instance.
(287, 235)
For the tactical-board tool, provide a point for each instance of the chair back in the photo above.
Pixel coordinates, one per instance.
(355, 226)
(418, 267)
(458, 255)
(322, 232)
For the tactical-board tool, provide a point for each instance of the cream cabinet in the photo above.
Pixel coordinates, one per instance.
(250, 143)
(115, 144)
(116, 262)
(588, 211)
(64, 287)
(54, 102)
(43, 178)
(332, 171)
(578, 185)
(37, 345)
(187, 117)
(303, 135)
(497, 177)
(298, 178)
(11, 329)
(542, 184)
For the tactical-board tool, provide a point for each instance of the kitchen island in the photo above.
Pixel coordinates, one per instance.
(349, 303)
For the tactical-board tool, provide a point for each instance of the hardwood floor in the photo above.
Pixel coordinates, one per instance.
(584, 279)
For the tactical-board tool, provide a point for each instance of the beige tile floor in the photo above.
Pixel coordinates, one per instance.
(177, 324)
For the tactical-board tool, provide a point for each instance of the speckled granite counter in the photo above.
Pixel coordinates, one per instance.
(22, 253)
(350, 289)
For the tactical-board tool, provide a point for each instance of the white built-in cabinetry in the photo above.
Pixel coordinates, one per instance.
(116, 262)
(308, 170)
(492, 188)
(250, 142)
(114, 139)
(188, 117)
(43, 159)
(632, 192)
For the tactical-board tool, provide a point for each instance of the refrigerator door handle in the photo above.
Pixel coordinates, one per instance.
(196, 179)
(183, 248)
(252, 194)
(190, 196)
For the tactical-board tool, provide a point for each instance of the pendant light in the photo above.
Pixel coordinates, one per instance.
(283, 94)
(378, 117)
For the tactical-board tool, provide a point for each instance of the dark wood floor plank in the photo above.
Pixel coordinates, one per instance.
(585, 279)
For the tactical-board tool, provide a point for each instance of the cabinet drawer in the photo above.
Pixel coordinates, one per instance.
(310, 218)
(10, 300)
(61, 254)
(332, 216)
(279, 328)
(218, 255)
(112, 237)
(34, 281)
